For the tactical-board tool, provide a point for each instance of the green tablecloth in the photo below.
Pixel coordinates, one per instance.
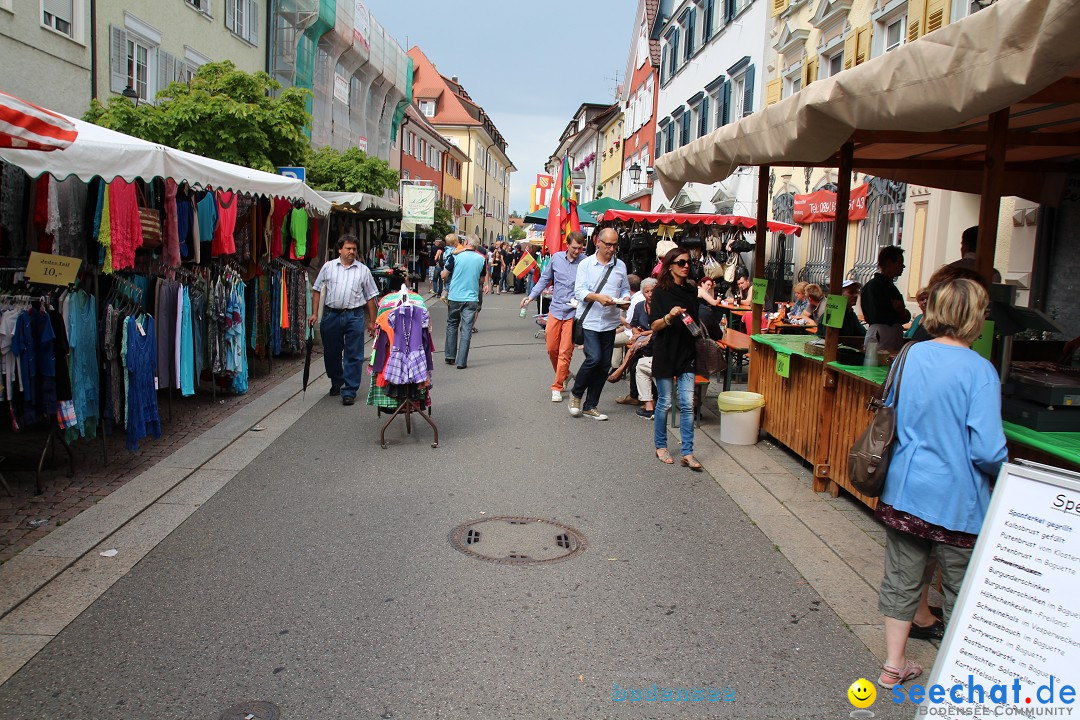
(875, 375)
(1064, 445)
(789, 344)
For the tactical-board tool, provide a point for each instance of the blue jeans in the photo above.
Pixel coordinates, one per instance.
(686, 411)
(459, 320)
(437, 282)
(593, 373)
(343, 335)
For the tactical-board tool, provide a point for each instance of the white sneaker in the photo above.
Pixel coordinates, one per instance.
(556, 396)
(575, 405)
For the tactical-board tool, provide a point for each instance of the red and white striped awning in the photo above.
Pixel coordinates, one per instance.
(25, 126)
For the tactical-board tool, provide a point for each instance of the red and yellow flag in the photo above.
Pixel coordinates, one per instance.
(524, 265)
(562, 213)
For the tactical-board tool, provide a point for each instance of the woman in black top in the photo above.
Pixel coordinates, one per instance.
(674, 353)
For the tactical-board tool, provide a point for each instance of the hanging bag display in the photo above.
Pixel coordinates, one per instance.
(579, 328)
(868, 460)
(150, 219)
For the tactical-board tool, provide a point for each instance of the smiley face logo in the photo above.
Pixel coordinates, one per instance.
(861, 693)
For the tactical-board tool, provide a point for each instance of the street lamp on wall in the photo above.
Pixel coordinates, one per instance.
(131, 94)
(635, 173)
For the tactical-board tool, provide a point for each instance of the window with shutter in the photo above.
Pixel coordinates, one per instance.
(916, 12)
(167, 69)
(59, 15)
(690, 22)
(748, 92)
(862, 44)
(774, 91)
(253, 22)
(850, 50)
(723, 104)
(703, 117)
(937, 15)
(810, 70)
(117, 59)
(779, 6)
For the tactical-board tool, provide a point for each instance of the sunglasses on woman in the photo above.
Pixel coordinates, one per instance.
(680, 263)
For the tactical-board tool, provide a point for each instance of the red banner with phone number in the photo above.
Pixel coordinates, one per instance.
(820, 206)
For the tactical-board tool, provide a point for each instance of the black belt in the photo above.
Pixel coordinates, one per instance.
(341, 310)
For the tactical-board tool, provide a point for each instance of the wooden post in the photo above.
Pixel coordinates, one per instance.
(832, 335)
(992, 183)
(759, 267)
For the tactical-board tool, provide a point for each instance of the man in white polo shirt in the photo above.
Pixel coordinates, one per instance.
(348, 287)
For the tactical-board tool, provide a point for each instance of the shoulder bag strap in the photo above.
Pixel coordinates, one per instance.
(895, 374)
(597, 289)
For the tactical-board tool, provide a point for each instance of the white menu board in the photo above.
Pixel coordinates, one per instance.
(1017, 620)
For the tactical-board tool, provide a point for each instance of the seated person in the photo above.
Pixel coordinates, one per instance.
(709, 311)
(799, 305)
(642, 327)
(851, 327)
(815, 305)
(921, 298)
(739, 294)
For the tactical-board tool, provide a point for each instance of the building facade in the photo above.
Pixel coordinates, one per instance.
(581, 142)
(638, 102)
(486, 176)
(711, 59)
(817, 39)
(422, 151)
(609, 180)
(358, 74)
(45, 53)
(145, 46)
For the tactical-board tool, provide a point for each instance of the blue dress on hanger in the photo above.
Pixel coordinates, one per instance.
(140, 359)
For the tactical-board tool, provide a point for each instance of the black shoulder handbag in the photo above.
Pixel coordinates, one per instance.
(868, 460)
(579, 328)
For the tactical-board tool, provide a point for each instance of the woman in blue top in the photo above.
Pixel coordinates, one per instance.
(949, 447)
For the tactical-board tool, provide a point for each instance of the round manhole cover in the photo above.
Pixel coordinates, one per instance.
(255, 710)
(518, 540)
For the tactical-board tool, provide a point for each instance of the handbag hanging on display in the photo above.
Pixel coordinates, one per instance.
(150, 220)
(868, 460)
(579, 326)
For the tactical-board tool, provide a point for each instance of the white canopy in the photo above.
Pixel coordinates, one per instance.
(98, 151)
(919, 113)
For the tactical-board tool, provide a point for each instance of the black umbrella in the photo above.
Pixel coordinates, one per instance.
(307, 356)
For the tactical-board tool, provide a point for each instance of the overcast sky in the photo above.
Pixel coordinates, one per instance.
(529, 65)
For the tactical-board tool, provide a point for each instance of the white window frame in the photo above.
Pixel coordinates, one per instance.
(76, 29)
(738, 95)
(425, 105)
(242, 20)
(793, 77)
(135, 43)
(203, 7)
(827, 66)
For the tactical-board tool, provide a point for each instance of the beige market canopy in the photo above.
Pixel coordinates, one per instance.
(921, 113)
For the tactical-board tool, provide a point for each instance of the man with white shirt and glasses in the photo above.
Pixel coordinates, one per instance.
(348, 288)
(560, 274)
(600, 288)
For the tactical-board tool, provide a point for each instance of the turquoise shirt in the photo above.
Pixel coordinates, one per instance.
(949, 440)
(465, 280)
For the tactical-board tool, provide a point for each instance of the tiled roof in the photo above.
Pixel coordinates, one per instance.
(651, 7)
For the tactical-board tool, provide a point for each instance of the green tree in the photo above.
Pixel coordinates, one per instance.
(444, 221)
(350, 171)
(517, 232)
(515, 214)
(222, 113)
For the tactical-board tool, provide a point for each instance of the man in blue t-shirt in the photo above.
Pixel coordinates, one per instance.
(463, 299)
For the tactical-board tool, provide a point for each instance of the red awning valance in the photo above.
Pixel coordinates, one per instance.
(742, 221)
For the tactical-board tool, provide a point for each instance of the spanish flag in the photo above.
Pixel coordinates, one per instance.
(524, 265)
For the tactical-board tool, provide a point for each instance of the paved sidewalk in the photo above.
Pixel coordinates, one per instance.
(27, 518)
(836, 544)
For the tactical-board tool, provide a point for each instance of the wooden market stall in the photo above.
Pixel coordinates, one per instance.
(987, 105)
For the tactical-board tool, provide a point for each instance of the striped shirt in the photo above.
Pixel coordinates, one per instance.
(346, 286)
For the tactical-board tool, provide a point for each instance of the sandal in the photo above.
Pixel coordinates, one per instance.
(891, 677)
(664, 456)
(690, 462)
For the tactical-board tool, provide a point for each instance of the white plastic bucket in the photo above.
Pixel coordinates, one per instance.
(740, 416)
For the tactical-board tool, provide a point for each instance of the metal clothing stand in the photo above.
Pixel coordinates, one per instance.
(54, 434)
(407, 409)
